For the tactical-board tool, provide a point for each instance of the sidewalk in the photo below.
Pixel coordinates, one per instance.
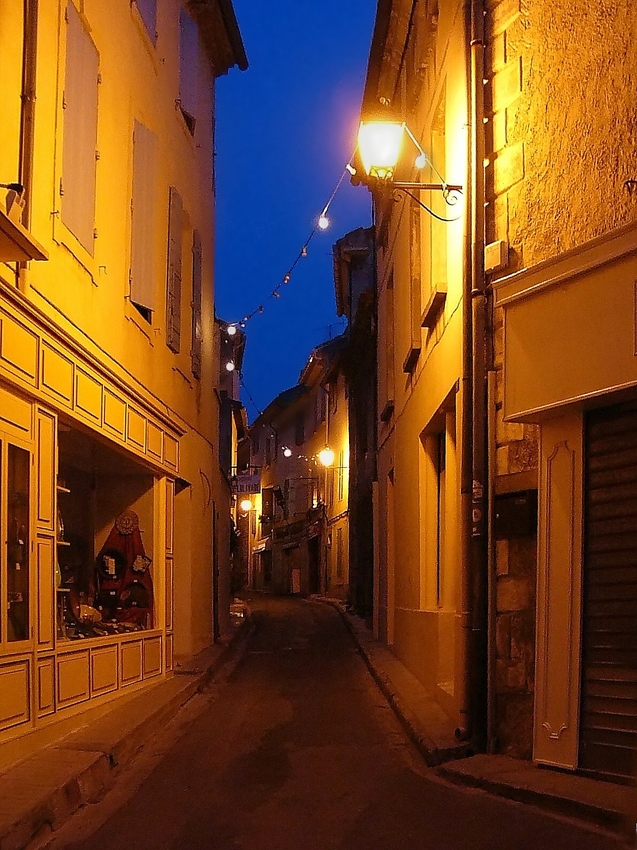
(602, 803)
(39, 794)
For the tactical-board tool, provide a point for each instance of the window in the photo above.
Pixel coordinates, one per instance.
(148, 12)
(173, 281)
(341, 475)
(197, 331)
(339, 552)
(143, 205)
(18, 546)
(188, 67)
(441, 479)
(299, 429)
(437, 507)
(77, 186)
(333, 396)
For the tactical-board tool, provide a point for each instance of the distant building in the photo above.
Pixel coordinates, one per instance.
(299, 524)
(355, 288)
(113, 500)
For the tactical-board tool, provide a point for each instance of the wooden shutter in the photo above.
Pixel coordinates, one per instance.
(188, 67)
(173, 283)
(143, 220)
(197, 334)
(80, 130)
(608, 717)
(148, 13)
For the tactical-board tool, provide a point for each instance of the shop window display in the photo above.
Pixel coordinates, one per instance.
(105, 525)
(18, 464)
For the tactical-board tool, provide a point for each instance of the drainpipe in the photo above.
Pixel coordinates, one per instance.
(480, 344)
(473, 696)
(27, 115)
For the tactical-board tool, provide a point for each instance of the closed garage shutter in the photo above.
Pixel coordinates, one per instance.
(608, 722)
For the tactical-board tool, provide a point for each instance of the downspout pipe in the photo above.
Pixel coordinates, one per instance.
(27, 114)
(480, 355)
(473, 696)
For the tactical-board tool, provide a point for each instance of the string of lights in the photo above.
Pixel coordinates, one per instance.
(322, 222)
(250, 399)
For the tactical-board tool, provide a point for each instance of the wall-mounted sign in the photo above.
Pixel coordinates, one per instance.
(246, 483)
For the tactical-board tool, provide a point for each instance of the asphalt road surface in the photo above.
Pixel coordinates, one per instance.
(298, 750)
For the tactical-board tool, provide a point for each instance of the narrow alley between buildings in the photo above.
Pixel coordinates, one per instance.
(299, 749)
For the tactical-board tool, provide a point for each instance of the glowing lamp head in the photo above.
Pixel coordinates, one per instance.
(379, 143)
(245, 505)
(323, 221)
(231, 330)
(287, 452)
(326, 456)
(230, 367)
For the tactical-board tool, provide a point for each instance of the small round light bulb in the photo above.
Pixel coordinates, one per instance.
(230, 367)
(323, 221)
(231, 329)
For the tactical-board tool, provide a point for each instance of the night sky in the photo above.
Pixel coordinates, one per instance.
(286, 127)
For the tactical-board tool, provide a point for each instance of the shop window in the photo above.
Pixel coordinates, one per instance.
(105, 540)
(17, 583)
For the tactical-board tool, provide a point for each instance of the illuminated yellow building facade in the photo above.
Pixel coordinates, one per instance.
(422, 381)
(111, 499)
(506, 563)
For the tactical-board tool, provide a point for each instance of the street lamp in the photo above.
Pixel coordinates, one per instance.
(380, 144)
(245, 505)
(326, 456)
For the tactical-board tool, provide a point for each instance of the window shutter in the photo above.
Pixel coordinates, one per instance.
(188, 67)
(148, 12)
(142, 268)
(197, 332)
(80, 130)
(173, 287)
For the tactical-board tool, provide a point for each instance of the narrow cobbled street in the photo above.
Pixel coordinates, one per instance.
(298, 750)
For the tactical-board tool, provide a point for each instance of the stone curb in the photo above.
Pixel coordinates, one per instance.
(39, 794)
(602, 803)
(570, 795)
(433, 750)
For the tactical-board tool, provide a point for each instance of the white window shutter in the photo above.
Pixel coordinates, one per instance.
(188, 68)
(148, 12)
(197, 282)
(80, 131)
(143, 207)
(173, 282)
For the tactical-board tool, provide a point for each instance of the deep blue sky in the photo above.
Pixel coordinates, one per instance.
(286, 128)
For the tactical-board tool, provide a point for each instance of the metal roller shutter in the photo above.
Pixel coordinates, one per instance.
(608, 716)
